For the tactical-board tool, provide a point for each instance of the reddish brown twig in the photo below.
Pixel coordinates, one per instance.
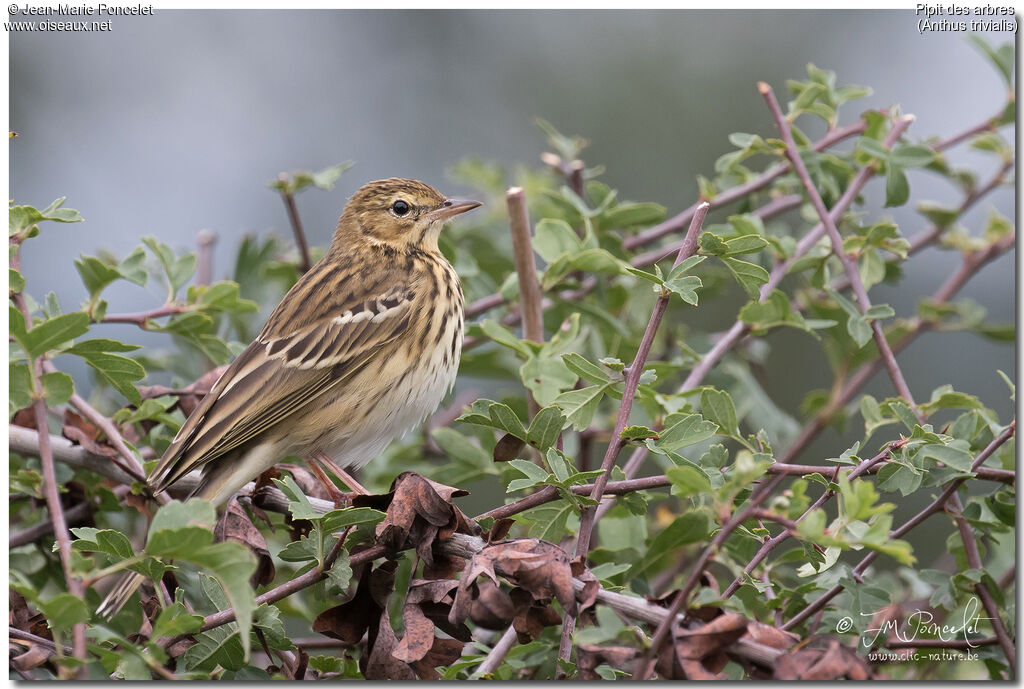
(530, 295)
(293, 217)
(844, 393)
(588, 518)
(849, 264)
(989, 603)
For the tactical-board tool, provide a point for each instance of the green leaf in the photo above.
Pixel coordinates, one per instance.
(339, 576)
(109, 541)
(504, 418)
(504, 336)
(15, 281)
(873, 148)
(546, 376)
(555, 238)
(685, 430)
(897, 188)
(688, 528)
(174, 620)
(95, 274)
(943, 216)
(879, 312)
(545, 428)
(19, 381)
(585, 368)
(952, 457)
(57, 388)
(25, 219)
(717, 407)
(220, 646)
(748, 275)
(1002, 58)
(686, 287)
(119, 371)
(775, 311)
(630, 214)
(637, 433)
(133, 267)
(688, 480)
(911, 156)
(64, 611)
(579, 405)
(53, 332)
(298, 504)
(534, 474)
(183, 532)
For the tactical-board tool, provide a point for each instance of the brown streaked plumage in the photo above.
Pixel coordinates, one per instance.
(360, 350)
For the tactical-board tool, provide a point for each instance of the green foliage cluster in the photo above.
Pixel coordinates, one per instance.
(713, 442)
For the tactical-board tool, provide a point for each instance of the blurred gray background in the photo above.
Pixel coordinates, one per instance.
(174, 123)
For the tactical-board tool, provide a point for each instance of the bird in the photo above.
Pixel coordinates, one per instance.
(360, 351)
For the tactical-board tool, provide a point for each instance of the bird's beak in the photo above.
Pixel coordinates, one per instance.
(452, 207)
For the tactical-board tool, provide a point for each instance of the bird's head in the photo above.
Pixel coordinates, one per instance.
(403, 214)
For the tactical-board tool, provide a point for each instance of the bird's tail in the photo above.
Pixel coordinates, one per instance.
(119, 595)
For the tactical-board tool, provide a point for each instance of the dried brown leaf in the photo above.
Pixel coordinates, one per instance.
(767, 635)
(350, 620)
(492, 608)
(508, 448)
(588, 657)
(235, 525)
(834, 662)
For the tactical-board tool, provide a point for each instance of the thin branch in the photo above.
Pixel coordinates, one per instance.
(727, 196)
(683, 219)
(739, 329)
(550, 494)
(662, 632)
(633, 374)
(497, 654)
(849, 264)
(32, 534)
(866, 467)
(206, 240)
(530, 295)
(51, 491)
(974, 560)
(140, 319)
(972, 263)
(589, 517)
(936, 506)
(296, 222)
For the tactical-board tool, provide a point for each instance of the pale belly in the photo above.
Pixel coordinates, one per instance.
(390, 397)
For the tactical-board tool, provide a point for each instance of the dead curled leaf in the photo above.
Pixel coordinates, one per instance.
(492, 608)
(589, 657)
(349, 621)
(419, 511)
(539, 567)
(426, 608)
(699, 652)
(235, 525)
(834, 662)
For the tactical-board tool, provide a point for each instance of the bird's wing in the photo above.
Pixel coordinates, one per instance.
(297, 357)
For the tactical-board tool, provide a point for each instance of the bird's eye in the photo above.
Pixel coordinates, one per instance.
(400, 208)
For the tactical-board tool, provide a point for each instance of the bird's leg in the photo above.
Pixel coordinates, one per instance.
(345, 477)
(340, 499)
